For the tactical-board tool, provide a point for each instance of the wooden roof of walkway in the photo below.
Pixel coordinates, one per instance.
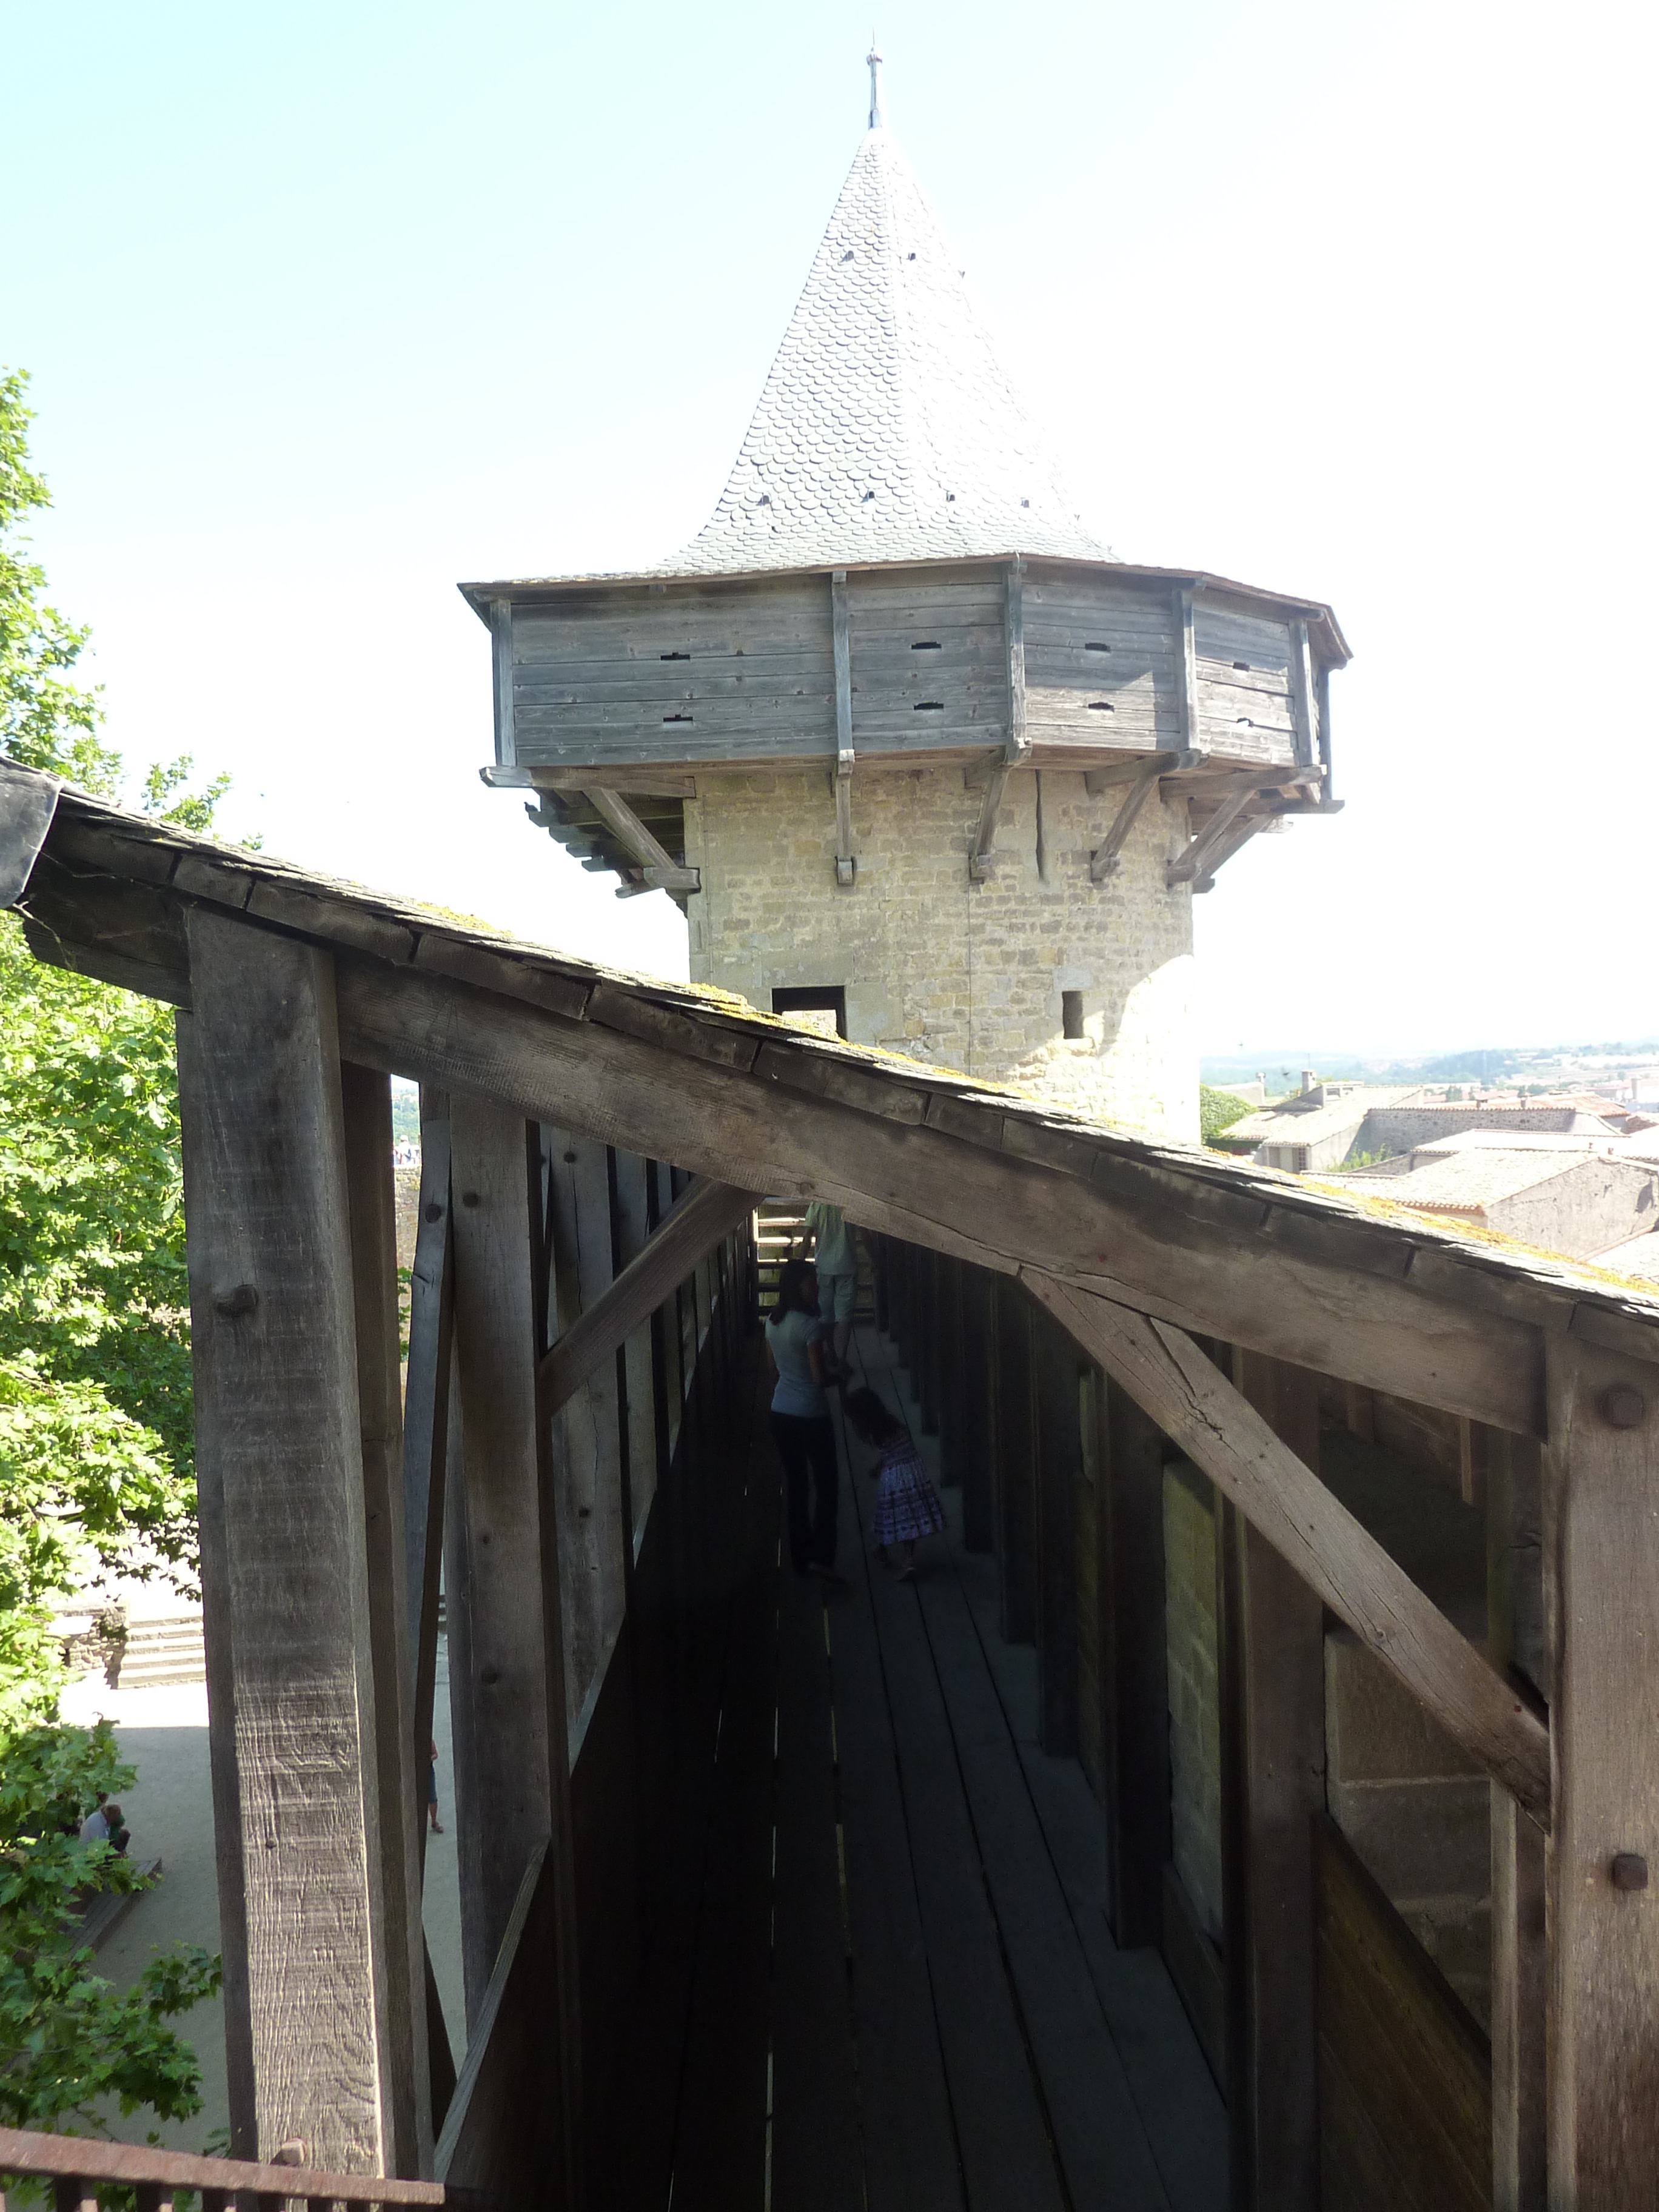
(1135, 1247)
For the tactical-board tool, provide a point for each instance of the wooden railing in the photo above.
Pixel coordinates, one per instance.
(76, 2170)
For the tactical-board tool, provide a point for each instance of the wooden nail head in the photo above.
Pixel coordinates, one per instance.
(1629, 1870)
(1622, 1406)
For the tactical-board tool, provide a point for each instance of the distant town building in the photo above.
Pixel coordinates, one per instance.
(1550, 1171)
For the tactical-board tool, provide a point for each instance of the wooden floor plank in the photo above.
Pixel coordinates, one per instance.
(909, 2138)
(1173, 2092)
(1097, 2131)
(1006, 2158)
(817, 2162)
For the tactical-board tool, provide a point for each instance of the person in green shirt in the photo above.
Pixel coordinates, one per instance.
(836, 1261)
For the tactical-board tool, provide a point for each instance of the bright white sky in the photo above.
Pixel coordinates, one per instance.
(328, 305)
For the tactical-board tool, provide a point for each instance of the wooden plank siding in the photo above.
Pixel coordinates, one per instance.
(628, 675)
(1405, 2087)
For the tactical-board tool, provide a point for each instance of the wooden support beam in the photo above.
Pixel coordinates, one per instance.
(1302, 695)
(630, 1199)
(1055, 1366)
(1097, 781)
(365, 1097)
(1520, 2009)
(647, 782)
(314, 2052)
(1603, 1481)
(978, 1409)
(594, 1517)
(1272, 1646)
(1209, 1258)
(658, 869)
(1246, 826)
(1017, 750)
(426, 1419)
(952, 1383)
(846, 865)
(501, 664)
(1103, 861)
(1282, 1497)
(1195, 860)
(506, 1642)
(1134, 1661)
(1016, 1471)
(1186, 672)
(698, 1220)
(979, 863)
(1223, 782)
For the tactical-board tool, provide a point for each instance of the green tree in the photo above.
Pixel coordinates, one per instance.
(1217, 1110)
(96, 1471)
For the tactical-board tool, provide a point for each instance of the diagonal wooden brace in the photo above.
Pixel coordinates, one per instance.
(1169, 1378)
(658, 869)
(691, 1228)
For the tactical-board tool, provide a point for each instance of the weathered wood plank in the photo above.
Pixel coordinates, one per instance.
(1272, 1647)
(1403, 2079)
(1125, 1233)
(594, 1538)
(1016, 1473)
(366, 1099)
(1059, 1466)
(977, 1442)
(1135, 1666)
(427, 1423)
(697, 1222)
(288, 1627)
(1322, 1540)
(1603, 2053)
(511, 1761)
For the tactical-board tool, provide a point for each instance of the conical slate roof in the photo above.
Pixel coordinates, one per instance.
(886, 431)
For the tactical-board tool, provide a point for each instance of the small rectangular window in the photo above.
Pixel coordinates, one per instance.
(1070, 1013)
(821, 1007)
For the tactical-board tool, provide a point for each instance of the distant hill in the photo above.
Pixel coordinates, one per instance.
(1484, 1063)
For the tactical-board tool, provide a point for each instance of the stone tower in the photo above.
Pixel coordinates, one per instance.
(908, 745)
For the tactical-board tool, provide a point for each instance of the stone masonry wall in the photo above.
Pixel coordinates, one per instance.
(1189, 1613)
(967, 976)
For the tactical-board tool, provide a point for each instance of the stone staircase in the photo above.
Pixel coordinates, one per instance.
(161, 1648)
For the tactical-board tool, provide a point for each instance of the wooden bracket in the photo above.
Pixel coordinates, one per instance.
(501, 639)
(1302, 696)
(1104, 860)
(842, 782)
(847, 865)
(658, 870)
(1233, 824)
(1017, 748)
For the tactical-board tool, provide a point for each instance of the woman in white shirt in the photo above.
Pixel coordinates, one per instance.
(801, 1427)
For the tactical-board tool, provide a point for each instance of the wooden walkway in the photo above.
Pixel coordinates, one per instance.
(905, 1995)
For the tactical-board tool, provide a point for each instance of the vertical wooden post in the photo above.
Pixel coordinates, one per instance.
(1273, 1659)
(925, 1375)
(314, 2051)
(1059, 1461)
(365, 1097)
(1134, 1666)
(632, 1226)
(952, 1380)
(879, 1247)
(979, 1408)
(505, 1649)
(1016, 1514)
(1603, 1532)
(1519, 1956)
(595, 1550)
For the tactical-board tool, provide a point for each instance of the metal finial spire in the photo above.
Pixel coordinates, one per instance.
(874, 60)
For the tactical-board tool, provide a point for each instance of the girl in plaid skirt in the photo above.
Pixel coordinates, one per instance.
(906, 1504)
